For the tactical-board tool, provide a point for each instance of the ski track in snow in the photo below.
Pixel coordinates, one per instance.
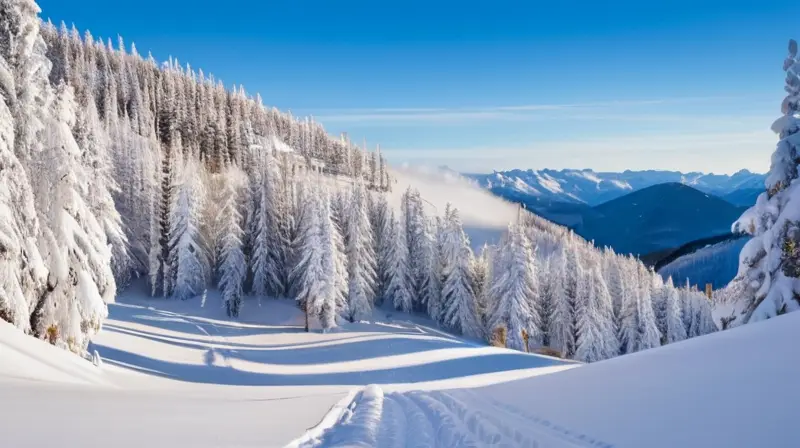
(444, 419)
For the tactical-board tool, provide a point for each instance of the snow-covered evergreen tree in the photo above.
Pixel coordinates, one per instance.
(233, 266)
(514, 284)
(770, 261)
(560, 330)
(188, 259)
(360, 256)
(21, 271)
(73, 243)
(480, 275)
(333, 298)
(639, 330)
(674, 327)
(268, 257)
(398, 289)
(461, 312)
(596, 336)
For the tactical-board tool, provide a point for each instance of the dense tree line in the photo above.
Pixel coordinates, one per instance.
(116, 167)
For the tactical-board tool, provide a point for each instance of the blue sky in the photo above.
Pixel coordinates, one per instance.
(685, 85)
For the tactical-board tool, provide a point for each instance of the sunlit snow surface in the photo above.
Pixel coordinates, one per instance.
(176, 374)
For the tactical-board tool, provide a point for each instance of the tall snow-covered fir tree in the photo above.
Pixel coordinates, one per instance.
(514, 285)
(398, 282)
(360, 255)
(674, 327)
(770, 262)
(560, 328)
(21, 271)
(188, 258)
(233, 266)
(334, 269)
(73, 244)
(268, 252)
(461, 310)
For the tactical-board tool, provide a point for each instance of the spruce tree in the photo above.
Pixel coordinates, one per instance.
(514, 284)
(770, 261)
(233, 266)
(461, 313)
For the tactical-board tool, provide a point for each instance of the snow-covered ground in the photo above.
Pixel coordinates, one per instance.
(179, 373)
(729, 389)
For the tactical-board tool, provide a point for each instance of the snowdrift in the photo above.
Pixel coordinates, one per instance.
(707, 391)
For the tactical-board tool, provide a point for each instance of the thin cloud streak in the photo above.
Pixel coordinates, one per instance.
(513, 112)
(529, 112)
(686, 152)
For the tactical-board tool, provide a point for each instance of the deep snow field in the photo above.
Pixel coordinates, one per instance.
(178, 373)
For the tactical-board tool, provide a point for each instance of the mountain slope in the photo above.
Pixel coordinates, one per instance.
(658, 217)
(716, 263)
(744, 197)
(594, 188)
(659, 398)
(182, 374)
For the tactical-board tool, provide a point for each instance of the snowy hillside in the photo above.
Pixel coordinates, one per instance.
(690, 394)
(592, 188)
(182, 374)
(716, 264)
(179, 373)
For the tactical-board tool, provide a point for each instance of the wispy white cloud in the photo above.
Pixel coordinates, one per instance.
(524, 112)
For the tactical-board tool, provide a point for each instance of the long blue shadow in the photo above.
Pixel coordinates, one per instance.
(346, 351)
(211, 374)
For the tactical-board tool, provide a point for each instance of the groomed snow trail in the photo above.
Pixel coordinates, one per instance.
(444, 419)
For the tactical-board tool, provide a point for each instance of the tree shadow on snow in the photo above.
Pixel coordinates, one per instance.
(339, 350)
(214, 374)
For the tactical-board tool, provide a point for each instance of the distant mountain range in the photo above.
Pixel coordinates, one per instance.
(658, 217)
(592, 188)
(637, 212)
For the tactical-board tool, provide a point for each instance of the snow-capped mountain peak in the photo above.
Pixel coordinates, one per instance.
(585, 186)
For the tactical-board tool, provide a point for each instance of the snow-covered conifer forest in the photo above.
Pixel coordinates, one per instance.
(115, 167)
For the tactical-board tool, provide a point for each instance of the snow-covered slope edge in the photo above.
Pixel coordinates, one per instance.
(697, 393)
(23, 358)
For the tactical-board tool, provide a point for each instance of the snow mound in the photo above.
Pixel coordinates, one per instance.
(706, 391)
(23, 358)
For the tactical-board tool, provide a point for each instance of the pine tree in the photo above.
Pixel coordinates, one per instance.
(596, 336)
(187, 257)
(73, 245)
(383, 228)
(674, 327)
(398, 289)
(21, 272)
(514, 284)
(639, 330)
(269, 257)
(560, 330)
(334, 267)
(233, 266)
(360, 256)
(461, 313)
(770, 261)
